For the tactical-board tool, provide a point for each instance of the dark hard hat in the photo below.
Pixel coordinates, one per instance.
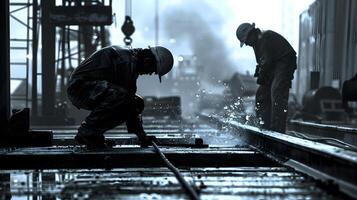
(243, 32)
(164, 60)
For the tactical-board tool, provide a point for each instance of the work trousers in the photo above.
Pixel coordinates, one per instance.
(272, 97)
(110, 105)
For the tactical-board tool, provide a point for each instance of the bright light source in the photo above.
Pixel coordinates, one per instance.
(172, 40)
(180, 58)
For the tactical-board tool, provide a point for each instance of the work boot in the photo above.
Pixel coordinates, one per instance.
(135, 124)
(88, 137)
(94, 142)
(90, 141)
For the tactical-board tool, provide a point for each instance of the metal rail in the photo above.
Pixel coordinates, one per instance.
(227, 171)
(340, 132)
(75, 157)
(321, 161)
(189, 190)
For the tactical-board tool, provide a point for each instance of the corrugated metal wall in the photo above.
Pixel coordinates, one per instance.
(328, 44)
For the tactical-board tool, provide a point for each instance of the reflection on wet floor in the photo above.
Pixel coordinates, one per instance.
(240, 181)
(158, 183)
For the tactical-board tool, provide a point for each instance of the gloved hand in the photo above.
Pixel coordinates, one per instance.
(145, 140)
(264, 77)
(135, 124)
(259, 74)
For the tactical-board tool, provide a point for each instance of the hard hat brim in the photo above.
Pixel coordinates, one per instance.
(159, 78)
(157, 63)
(241, 44)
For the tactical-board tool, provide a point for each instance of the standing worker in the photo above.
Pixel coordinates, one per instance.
(276, 63)
(105, 84)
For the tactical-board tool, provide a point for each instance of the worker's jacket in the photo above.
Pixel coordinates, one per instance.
(113, 64)
(270, 48)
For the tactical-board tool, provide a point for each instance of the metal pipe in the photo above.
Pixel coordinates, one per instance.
(157, 22)
(27, 56)
(68, 31)
(4, 65)
(189, 190)
(63, 64)
(34, 103)
(48, 59)
(128, 8)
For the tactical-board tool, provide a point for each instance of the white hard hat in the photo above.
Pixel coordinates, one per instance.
(164, 60)
(243, 32)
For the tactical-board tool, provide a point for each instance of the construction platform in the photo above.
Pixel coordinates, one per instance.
(218, 160)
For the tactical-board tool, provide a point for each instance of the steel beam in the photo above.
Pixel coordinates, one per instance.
(48, 60)
(159, 183)
(76, 157)
(345, 134)
(4, 64)
(131, 139)
(87, 36)
(318, 160)
(93, 15)
(30, 138)
(34, 102)
(5, 189)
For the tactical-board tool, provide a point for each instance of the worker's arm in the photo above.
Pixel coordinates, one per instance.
(265, 63)
(263, 73)
(134, 123)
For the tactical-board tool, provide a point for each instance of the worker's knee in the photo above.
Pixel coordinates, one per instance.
(280, 91)
(124, 102)
(262, 94)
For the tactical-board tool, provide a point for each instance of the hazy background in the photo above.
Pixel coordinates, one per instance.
(201, 30)
(206, 28)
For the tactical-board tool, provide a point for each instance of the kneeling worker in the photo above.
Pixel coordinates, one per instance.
(105, 84)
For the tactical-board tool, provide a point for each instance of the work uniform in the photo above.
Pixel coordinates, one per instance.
(275, 70)
(105, 84)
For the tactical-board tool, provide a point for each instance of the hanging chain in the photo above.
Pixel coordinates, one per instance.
(128, 8)
(128, 26)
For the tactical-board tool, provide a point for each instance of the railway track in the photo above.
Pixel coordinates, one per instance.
(217, 163)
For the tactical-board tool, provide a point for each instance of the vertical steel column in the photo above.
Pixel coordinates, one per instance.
(34, 103)
(157, 22)
(79, 38)
(4, 64)
(48, 59)
(5, 177)
(27, 55)
(87, 36)
(63, 63)
(103, 37)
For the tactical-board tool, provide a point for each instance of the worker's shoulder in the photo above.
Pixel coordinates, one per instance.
(122, 51)
(100, 52)
(119, 48)
(270, 34)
